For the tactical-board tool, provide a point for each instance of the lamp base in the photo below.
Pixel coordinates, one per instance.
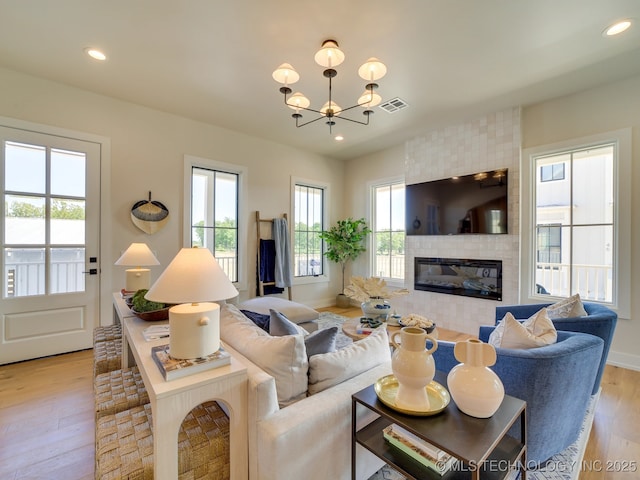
(138, 279)
(194, 330)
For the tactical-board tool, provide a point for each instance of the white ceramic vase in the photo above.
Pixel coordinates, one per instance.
(413, 367)
(377, 308)
(475, 388)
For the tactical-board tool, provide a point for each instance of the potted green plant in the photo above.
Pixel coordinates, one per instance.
(345, 242)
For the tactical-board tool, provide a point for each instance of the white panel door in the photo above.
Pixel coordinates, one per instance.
(49, 240)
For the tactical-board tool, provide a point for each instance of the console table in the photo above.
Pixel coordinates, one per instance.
(482, 445)
(172, 400)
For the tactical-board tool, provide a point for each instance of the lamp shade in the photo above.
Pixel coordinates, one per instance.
(285, 74)
(329, 55)
(369, 99)
(372, 70)
(193, 276)
(298, 101)
(137, 255)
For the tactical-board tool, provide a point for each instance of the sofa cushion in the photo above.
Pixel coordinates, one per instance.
(284, 358)
(567, 308)
(296, 312)
(329, 369)
(536, 331)
(280, 325)
(320, 341)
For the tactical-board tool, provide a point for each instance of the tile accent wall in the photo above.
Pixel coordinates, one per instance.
(486, 143)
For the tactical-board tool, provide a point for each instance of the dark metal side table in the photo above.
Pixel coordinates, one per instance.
(482, 446)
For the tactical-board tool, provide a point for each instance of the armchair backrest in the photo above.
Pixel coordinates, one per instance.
(555, 381)
(600, 321)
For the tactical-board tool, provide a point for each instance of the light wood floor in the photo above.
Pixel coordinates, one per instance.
(47, 424)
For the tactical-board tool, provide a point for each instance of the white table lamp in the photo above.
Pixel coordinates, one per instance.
(194, 280)
(138, 255)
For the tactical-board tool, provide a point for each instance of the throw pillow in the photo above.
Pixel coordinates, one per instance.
(329, 369)
(284, 358)
(536, 331)
(567, 308)
(258, 318)
(296, 312)
(320, 341)
(280, 325)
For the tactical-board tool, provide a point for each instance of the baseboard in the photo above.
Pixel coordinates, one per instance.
(624, 360)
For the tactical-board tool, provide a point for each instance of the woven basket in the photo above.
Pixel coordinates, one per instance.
(107, 356)
(118, 390)
(124, 445)
(107, 333)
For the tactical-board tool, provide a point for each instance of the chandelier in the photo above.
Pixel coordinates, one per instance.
(330, 56)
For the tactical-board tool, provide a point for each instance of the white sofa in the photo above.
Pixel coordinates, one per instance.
(308, 436)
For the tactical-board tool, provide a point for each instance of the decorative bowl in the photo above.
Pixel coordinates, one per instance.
(153, 315)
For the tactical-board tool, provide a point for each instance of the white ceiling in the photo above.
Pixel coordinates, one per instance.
(211, 60)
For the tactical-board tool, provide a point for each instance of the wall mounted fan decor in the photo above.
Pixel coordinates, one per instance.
(149, 216)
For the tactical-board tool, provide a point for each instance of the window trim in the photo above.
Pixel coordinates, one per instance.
(326, 276)
(621, 301)
(370, 241)
(191, 161)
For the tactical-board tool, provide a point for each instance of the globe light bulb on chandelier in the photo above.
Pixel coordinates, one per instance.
(330, 56)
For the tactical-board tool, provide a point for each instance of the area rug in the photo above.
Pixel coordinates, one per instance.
(566, 465)
(328, 319)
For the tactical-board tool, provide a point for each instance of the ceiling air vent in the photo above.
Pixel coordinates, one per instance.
(393, 105)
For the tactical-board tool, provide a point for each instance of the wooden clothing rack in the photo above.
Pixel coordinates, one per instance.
(259, 222)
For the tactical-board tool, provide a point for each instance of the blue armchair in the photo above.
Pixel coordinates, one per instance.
(555, 381)
(601, 322)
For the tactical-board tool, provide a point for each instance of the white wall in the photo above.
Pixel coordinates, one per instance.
(147, 151)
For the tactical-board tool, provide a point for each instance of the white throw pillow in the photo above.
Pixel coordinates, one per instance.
(284, 358)
(537, 331)
(567, 308)
(296, 312)
(329, 369)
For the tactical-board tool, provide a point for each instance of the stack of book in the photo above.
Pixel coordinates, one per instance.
(427, 454)
(172, 368)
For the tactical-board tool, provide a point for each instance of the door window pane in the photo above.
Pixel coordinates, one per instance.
(24, 272)
(24, 220)
(66, 273)
(68, 173)
(20, 158)
(593, 186)
(67, 222)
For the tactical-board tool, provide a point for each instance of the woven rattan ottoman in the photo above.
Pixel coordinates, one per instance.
(118, 390)
(107, 356)
(107, 333)
(124, 445)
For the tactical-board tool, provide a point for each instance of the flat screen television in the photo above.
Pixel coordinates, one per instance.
(470, 204)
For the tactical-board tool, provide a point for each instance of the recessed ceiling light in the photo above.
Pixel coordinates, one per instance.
(617, 28)
(339, 138)
(96, 54)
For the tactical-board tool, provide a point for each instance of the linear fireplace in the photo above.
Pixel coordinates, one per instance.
(454, 276)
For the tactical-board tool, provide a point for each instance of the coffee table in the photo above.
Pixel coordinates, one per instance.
(350, 327)
(482, 446)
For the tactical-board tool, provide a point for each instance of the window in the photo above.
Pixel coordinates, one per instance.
(575, 222)
(214, 216)
(549, 173)
(308, 211)
(549, 244)
(388, 228)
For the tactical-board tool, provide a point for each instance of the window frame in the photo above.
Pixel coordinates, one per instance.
(621, 301)
(191, 162)
(371, 204)
(294, 181)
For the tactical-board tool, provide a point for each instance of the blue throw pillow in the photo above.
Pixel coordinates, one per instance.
(259, 319)
(321, 341)
(280, 325)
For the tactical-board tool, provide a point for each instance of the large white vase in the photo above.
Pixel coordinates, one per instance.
(475, 388)
(413, 367)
